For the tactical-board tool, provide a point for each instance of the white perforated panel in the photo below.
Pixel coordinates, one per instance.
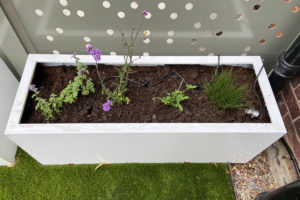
(174, 27)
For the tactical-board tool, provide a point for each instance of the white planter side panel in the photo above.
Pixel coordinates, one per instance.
(8, 88)
(144, 142)
(144, 147)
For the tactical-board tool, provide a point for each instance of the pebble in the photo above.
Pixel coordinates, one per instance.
(252, 178)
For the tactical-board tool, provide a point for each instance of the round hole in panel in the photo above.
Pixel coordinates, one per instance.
(59, 30)
(202, 49)
(63, 2)
(244, 54)
(121, 14)
(134, 5)
(146, 54)
(189, 6)
(262, 41)
(173, 16)
(170, 40)
(197, 25)
(149, 15)
(279, 34)
(271, 26)
(213, 16)
(147, 32)
(50, 38)
(66, 12)
(247, 48)
(86, 46)
(106, 4)
(193, 41)
(239, 16)
(80, 13)
(87, 39)
(256, 7)
(39, 12)
(55, 52)
(146, 40)
(219, 33)
(113, 53)
(110, 32)
(211, 54)
(171, 33)
(295, 9)
(161, 6)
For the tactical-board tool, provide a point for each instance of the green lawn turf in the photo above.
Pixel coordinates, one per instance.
(30, 180)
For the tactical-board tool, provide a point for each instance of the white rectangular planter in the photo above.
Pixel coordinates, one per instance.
(144, 142)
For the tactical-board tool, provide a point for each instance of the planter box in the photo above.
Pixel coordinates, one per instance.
(144, 142)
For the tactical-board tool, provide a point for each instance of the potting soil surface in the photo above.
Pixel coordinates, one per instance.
(142, 109)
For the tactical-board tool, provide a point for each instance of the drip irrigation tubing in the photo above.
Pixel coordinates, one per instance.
(292, 156)
(145, 84)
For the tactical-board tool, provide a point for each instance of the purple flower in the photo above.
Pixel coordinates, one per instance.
(96, 53)
(89, 48)
(145, 12)
(81, 71)
(106, 106)
(33, 87)
(74, 55)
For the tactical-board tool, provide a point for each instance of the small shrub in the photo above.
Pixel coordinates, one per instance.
(174, 98)
(224, 91)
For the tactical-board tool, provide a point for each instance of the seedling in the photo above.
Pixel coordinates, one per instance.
(174, 98)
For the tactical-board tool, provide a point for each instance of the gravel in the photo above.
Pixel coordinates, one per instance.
(252, 178)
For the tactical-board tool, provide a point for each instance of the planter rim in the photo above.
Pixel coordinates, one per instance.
(14, 127)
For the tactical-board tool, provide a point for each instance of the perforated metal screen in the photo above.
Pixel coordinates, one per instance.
(175, 27)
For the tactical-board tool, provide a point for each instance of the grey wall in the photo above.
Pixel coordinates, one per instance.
(11, 49)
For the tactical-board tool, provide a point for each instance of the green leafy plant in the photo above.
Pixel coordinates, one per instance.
(52, 106)
(224, 91)
(174, 98)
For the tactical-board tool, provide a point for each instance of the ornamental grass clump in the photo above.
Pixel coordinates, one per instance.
(224, 91)
(174, 98)
(80, 84)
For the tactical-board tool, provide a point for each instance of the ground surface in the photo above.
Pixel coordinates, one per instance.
(32, 181)
(141, 107)
(268, 171)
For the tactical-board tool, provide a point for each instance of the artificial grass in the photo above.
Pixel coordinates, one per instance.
(184, 181)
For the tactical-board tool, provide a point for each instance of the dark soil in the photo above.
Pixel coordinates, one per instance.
(141, 107)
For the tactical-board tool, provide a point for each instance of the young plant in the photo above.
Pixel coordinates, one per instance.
(118, 94)
(224, 91)
(177, 96)
(81, 83)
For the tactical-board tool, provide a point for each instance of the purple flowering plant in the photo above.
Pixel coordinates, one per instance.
(117, 95)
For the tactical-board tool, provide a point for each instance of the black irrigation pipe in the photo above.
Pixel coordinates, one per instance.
(145, 84)
(292, 156)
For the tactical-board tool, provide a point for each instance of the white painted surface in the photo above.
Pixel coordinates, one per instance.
(144, 142)
(8, 88)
